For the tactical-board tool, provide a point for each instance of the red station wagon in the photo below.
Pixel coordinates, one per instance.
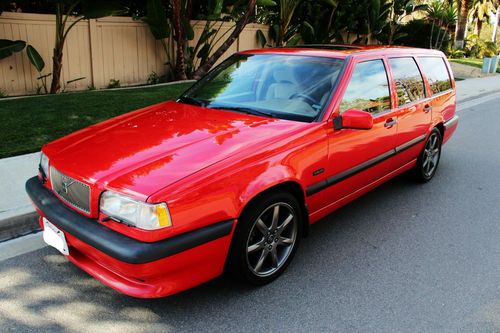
(231, 174)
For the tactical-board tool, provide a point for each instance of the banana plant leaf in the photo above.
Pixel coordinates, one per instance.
(265, 3)
(261, 38)
(9, 47)
(35, 58)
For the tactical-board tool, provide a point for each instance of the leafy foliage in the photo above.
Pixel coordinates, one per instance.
(35, 58)
(9, 47)
(417, 33)
(37, 61)
(113, 83)
(80, 10)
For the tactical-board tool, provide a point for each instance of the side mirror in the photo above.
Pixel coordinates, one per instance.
(354, 119)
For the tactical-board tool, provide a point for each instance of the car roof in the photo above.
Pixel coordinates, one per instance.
(343, 50)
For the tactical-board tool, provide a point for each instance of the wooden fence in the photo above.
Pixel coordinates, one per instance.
(118, 48)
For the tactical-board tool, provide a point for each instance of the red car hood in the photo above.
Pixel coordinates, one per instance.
(143, 151)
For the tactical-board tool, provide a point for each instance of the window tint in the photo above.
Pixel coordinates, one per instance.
(368, 89)
(409, 82)
(436, 73)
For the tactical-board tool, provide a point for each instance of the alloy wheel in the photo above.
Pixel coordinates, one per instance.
(272, 239)
(431, 155)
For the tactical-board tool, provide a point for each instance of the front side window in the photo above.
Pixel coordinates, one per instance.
(291, 87)
(368, 89)
(436, 72)
(409, 82)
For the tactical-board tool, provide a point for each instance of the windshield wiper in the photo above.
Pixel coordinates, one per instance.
(190, 100)
(244, 110)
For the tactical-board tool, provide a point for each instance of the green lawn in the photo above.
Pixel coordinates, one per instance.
(28, 123)
(472, 62)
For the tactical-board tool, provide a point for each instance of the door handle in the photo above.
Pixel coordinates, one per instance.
(390, 122)
(427, 108)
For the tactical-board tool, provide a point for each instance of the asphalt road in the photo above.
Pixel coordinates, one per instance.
(405, 258)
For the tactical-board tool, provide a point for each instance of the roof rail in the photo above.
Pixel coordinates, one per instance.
(338, 47)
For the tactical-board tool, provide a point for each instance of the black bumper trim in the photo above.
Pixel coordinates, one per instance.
(451, 122)
(112, 243)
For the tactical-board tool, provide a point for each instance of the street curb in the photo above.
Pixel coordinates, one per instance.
(144, 86)
(478, 96)
(18, 226)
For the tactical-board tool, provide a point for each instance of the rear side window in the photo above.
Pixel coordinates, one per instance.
(368, 89)
(409, 82)
(436, 72)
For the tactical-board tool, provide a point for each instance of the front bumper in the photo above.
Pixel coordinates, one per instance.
(130, 266)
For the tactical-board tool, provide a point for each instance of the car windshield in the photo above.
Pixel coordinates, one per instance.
(291, 87)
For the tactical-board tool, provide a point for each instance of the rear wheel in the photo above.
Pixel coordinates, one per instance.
(428, 160)
(266, 238)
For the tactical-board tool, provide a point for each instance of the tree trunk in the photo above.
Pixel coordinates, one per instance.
(461, 24)
(240, 25)
(432, 34)
(56, 71)
(180, 61)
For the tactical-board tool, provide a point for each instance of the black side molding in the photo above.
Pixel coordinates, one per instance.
(332, 180)
(115, 244)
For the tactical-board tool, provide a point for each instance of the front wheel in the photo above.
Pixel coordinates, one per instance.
(428, 160)
(266, 238)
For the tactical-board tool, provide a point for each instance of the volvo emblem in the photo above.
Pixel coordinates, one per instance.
(66, 183)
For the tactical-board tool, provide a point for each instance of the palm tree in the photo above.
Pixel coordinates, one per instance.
(481, 10)
(287, 9)
(449, 16)
(434, 13)
(400, 9)
(463, 16)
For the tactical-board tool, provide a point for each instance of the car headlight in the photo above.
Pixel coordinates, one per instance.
(44, 164)
(136, 213)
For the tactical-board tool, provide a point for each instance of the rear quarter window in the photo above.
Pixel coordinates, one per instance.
(436, 72)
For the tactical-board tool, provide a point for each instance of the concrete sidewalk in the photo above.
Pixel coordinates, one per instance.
(17, 215)
(474, 87)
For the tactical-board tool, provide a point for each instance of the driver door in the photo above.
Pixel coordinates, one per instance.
(360, 157)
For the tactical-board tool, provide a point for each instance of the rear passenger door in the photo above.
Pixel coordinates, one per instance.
(442, 86)
(414, 109)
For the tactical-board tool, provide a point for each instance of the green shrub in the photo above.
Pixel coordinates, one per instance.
(417, 33)
(114, 84)
(475, 47)
(456, 54)
(153, 78)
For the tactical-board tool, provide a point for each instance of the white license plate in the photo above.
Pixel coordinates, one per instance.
(54, 237)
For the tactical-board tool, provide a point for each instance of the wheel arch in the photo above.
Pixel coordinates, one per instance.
(440, 127)
(291, 187)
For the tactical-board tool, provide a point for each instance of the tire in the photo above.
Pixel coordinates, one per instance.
(266, 238)
(428, 160)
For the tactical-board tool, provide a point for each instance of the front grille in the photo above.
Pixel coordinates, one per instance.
(72, 191)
